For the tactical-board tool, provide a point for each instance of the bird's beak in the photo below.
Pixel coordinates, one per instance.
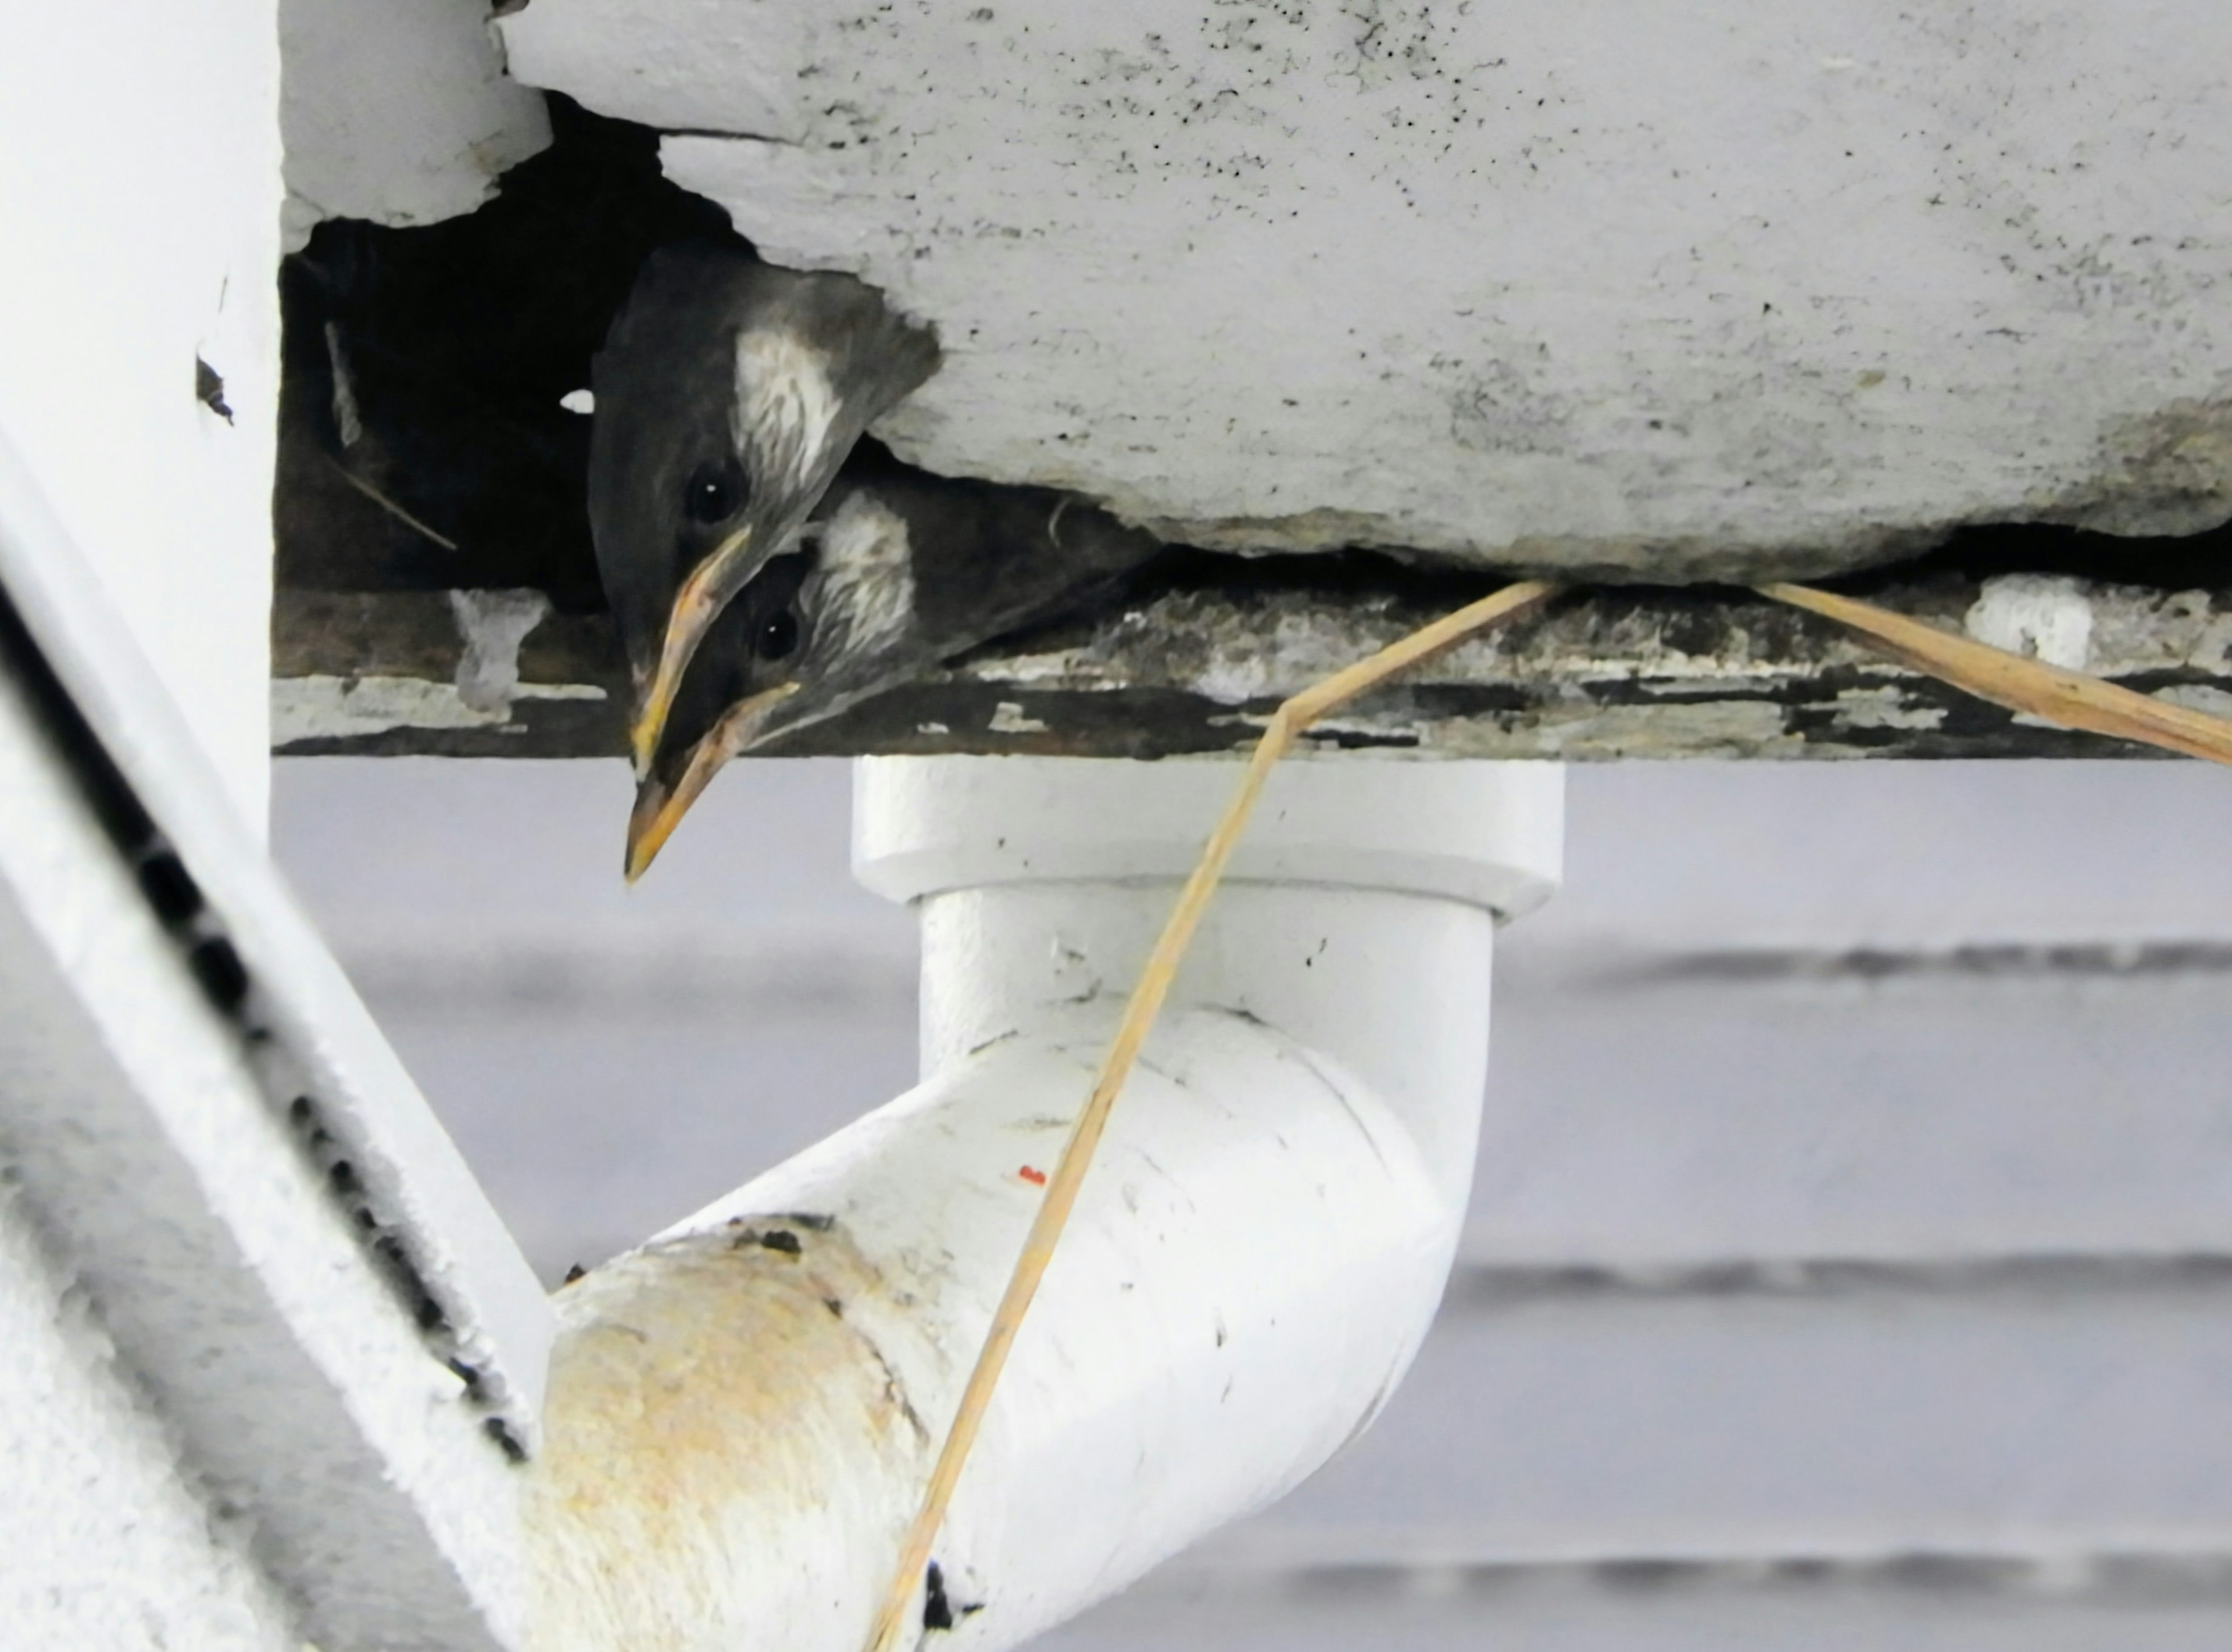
(698, 603)
(659, 808)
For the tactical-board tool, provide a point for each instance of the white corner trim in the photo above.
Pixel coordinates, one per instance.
(286, 1247)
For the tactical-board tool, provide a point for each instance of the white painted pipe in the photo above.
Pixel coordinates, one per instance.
(744, 1413)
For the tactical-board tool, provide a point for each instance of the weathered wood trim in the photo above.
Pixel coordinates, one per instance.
(1608, 673)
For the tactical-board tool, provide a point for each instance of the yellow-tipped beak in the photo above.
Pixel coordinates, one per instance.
(697, 604)
(660, 809)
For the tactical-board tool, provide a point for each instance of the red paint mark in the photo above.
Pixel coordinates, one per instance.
(1036, 1178)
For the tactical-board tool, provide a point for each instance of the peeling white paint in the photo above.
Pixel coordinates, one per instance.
(2039, 615)
(2199, 696)
(2137, 629)
(493, 624)
(334, 708)
(1235, 681)
(1884, 708)
(1718, 729)
(1580, 287)
(1023, 670)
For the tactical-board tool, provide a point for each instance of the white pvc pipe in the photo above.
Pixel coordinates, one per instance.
(744, 1413)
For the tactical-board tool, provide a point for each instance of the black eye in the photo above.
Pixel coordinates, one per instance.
(778, 635)
(713, 493)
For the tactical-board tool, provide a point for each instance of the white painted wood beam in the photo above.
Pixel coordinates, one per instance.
(1685, 293)
(307, 1288)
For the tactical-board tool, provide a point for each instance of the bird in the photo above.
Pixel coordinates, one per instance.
(900, 571)
(728, 392)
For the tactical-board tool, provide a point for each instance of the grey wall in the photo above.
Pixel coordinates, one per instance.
(1851, 1260)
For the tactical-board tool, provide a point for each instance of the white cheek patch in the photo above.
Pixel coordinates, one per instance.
(866, 572)
(785, 402)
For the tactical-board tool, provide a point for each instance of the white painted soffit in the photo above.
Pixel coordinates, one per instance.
(287, 1250)
(1676, 290)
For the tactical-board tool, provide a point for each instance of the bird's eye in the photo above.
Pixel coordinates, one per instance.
(778, 635)
(713, 493)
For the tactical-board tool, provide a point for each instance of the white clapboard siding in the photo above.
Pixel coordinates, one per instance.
(1848, 1258)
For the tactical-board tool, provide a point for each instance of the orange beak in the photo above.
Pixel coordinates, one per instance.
(658, 809)
(697, 604)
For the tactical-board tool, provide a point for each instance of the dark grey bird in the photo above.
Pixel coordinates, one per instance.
(728, 393)
(900, 572)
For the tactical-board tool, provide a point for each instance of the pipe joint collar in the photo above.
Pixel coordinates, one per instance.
(1487, 834)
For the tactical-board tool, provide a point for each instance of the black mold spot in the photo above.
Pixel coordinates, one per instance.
(937, 1611)
(425, 1310)
(1358, 739)
(209, 390)
(499, 1431)
(576, 1271)
(222, 977)
(170, 888)
(779, 1239)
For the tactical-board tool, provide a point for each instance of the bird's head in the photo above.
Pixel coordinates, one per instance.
(727, 394)
(817, 629)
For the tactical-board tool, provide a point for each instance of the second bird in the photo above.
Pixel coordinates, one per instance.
(727, 396)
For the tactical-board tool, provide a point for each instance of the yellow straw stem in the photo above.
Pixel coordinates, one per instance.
(2072, 699)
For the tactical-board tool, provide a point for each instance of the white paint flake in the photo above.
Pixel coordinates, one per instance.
(340, 708)
(493, 624)
(2038, 616)
(2199, 696)
(1886, 708)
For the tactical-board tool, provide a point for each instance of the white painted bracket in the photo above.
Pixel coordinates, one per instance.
(293, 1262)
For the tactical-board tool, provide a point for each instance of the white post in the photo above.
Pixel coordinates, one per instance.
(140, 192)
(744, 1413)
